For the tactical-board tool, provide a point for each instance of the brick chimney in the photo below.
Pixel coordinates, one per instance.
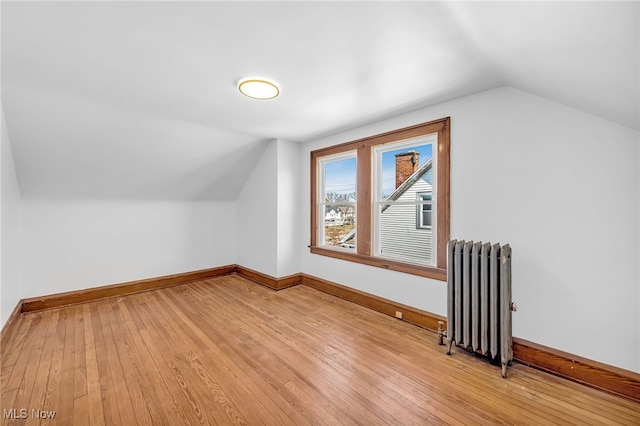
(406, 165)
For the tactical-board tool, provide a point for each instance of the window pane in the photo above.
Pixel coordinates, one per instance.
(399, 165)
(340, 180)
(426, 216)
(338, 200)
(339, 225)
(400, 238)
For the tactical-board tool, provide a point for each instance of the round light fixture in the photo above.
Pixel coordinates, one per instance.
(258, 88)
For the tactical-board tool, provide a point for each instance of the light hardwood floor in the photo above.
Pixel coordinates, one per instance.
(228, 351)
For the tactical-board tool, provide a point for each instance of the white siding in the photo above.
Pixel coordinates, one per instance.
(399, 236)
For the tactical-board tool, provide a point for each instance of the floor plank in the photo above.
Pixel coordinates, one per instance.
(230, 352)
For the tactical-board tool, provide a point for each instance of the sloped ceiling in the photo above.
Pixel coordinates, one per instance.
(138, 99)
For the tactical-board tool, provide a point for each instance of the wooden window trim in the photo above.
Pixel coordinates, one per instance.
(364, 216)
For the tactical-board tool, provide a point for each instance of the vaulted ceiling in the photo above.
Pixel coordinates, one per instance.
(138, 99)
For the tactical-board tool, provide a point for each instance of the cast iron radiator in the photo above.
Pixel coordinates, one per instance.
(479, 302)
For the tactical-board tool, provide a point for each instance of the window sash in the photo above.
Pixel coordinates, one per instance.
(403, 238)
(322, 204)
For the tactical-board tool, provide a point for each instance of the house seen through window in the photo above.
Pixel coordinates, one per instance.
(404, 170)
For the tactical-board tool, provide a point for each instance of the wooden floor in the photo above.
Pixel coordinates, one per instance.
(228, 351)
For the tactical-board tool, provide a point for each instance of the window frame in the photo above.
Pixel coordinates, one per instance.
(364, 200)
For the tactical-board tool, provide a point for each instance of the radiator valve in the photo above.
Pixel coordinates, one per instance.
(441, 333)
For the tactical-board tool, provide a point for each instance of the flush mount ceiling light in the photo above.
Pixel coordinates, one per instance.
(258, 88)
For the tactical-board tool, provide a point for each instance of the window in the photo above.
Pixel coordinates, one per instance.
(423, 212)
(398, 183)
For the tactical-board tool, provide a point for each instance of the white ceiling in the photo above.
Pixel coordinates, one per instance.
(139, 100)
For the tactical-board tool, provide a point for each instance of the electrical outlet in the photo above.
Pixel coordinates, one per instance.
(398, 314)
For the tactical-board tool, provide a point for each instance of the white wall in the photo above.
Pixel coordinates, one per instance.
(70, 245)
(269, 212)
(257, 209)
(10, 229)
(289, 208)
(562, 187)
